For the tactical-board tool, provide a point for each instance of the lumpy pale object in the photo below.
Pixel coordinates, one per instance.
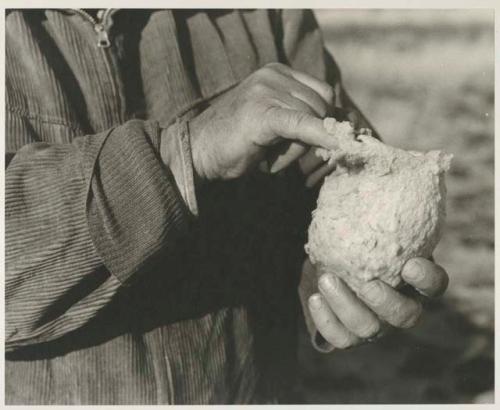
(381, 207)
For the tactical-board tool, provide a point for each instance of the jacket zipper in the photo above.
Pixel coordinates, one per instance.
(103, 42)
(100, 27)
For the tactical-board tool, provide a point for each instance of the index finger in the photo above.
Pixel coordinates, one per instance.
(300, 126)
(322, 88)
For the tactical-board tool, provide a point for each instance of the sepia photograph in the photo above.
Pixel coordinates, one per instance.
(249, 206)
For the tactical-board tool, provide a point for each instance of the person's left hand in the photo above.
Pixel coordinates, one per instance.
(345, 319)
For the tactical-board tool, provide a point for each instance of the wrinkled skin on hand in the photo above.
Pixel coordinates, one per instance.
(345, 319)
(274, 105)
(280, 106)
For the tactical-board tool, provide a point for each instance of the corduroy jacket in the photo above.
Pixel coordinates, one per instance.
(122, 286)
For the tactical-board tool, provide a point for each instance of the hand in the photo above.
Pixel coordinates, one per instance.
(275, 104)
(345, 319)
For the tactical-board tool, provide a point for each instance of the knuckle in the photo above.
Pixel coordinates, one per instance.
(271, 114)
(257, 87)
(411, 318)
(394, 311)
(259, 73)
(369, 330)
(375, 294)
(342, 342)
(267, 70)
(297, 119)
(274, 66)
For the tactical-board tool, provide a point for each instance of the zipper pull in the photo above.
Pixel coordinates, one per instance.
(102, 36)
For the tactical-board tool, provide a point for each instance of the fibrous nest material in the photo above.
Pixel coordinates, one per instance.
(381, 207)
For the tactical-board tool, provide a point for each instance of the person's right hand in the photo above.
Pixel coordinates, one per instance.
(242, 127)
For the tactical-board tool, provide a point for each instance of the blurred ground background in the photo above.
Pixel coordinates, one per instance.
(425, 78)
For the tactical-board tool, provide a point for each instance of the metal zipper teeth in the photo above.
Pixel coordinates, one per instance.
(85, 15)
(99, 25)
(107, 62)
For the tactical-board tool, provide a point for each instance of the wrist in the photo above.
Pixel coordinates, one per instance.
(194, 131)
(200, 149)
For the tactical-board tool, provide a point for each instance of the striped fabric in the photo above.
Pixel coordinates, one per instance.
(115, 292)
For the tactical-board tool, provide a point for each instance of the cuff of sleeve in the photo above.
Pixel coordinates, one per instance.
(307, 287)
(135, 214)
(175, 151)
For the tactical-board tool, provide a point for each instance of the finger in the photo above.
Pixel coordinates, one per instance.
(348, 308)
(310, 162)
(285, 99)
(354, 118)
(427, 277)
(323, 89)
(390, 305)
(340, 114)
(293, 151)
(318, 175)
(299, 126)
(329, 325)
(296, 90)
(290, 151)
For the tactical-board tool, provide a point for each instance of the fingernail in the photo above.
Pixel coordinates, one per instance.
(328, 283)
(373, 292)
(415, 270)
(315, 301)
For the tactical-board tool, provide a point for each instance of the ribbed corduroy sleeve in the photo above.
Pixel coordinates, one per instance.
(135, 210)
(81, 220)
